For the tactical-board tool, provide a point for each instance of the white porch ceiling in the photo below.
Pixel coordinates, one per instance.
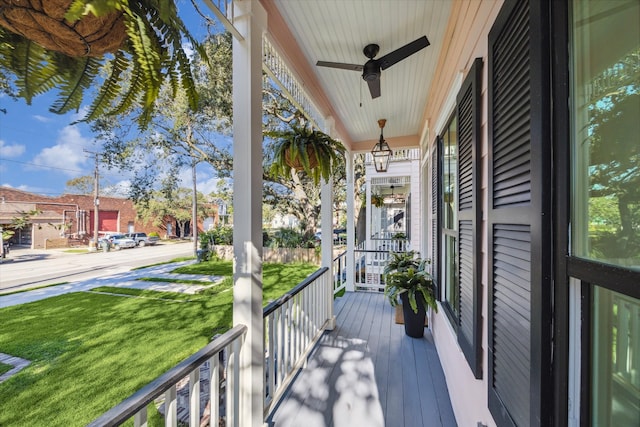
(338, 30)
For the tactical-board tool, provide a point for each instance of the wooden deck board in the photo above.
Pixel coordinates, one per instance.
(367, 372)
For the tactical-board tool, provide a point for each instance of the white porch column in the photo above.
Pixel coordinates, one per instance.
(368, 216)
(351, 226)
(251, 21)
(326, 214)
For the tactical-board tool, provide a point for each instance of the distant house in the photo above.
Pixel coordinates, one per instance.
(69, 218)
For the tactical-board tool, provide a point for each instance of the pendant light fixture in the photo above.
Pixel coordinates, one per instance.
(381, 151)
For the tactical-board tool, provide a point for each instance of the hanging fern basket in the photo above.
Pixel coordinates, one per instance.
(295, 161)
(43, 22)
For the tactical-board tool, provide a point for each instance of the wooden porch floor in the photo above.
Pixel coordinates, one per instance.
(367, 372)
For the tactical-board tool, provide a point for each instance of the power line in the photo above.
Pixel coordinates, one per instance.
(40, 166)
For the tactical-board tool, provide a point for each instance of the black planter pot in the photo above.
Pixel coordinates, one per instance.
(413, 322)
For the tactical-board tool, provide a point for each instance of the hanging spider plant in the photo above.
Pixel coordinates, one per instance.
(64, 44)
(301, 148)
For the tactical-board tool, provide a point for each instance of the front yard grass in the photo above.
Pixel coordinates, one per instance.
(5, 368)
(89, 351)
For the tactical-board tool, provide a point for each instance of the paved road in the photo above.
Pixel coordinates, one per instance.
(28, 269)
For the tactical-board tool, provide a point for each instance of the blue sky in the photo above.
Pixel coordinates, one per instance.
(40, 151)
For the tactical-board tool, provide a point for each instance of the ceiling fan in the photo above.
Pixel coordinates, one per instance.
(371, 70)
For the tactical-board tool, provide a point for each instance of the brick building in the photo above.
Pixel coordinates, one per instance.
(68, 219)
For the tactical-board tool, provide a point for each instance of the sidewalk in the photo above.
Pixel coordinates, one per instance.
(124, 280)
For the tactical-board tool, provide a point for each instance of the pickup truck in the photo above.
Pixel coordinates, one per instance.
(142, 239)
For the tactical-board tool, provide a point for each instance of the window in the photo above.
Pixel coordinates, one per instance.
(450, 285)
(459, 236)
(615, 360)
(605, 205)
(606, 151)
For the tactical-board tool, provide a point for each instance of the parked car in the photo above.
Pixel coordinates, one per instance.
(119, 241)
(142, 239)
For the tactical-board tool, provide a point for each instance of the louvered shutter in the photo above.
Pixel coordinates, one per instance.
(435, 229)
(468, 106)
(519, 191)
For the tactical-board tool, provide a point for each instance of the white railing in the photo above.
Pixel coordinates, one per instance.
(399, 155)
(292, 326)
(340, 273)
(219, 358)
(370, 263)
(369, 269)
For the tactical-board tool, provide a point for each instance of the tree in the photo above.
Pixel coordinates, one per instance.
(171, 202)
(80, 185)
(296, 194)
(177, 135)
(19, 222)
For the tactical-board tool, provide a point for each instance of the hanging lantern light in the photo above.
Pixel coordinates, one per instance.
(381, 152)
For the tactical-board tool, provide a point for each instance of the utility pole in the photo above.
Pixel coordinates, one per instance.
(96, 199)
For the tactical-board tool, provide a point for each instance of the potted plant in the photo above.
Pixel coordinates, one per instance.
(377, 200)
(302, 148)
(64, 44)
(406, 278)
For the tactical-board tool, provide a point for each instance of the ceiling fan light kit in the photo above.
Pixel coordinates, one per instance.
(372, 69)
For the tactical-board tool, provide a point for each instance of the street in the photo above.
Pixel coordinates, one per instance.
(26, 268)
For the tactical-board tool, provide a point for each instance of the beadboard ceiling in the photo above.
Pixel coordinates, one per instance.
(338, 30)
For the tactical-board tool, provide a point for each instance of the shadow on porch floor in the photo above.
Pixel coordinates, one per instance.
(367, 372)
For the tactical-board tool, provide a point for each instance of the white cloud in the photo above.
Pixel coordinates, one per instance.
(27, 188)
(67, 155)
(119, 189)
(42, 119)
(205, 183)
(14, 150)
(208, 186)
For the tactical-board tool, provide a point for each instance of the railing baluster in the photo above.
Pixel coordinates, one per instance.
(299, 309)
(140, 418)
(170, 407)
(280, 347)
(230, 385)
(271, 365)
(287, 335)
(194, 397)
(214, 390)
(235, 374)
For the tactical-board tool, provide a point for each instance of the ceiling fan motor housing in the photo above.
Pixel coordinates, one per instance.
(371, 70)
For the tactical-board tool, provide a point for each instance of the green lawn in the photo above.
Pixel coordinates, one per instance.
(5, 368)
(90, 351)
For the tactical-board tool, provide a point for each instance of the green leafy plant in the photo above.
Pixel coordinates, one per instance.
(65, 44)
(377, 200)
(405, 273)
(302, 148)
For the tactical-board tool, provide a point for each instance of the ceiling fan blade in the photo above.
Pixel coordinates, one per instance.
(374, 88)
(405, 51)
(340, 65)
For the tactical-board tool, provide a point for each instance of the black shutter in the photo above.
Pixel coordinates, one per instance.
(518, 220)
(435, 229)
(468, 105)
